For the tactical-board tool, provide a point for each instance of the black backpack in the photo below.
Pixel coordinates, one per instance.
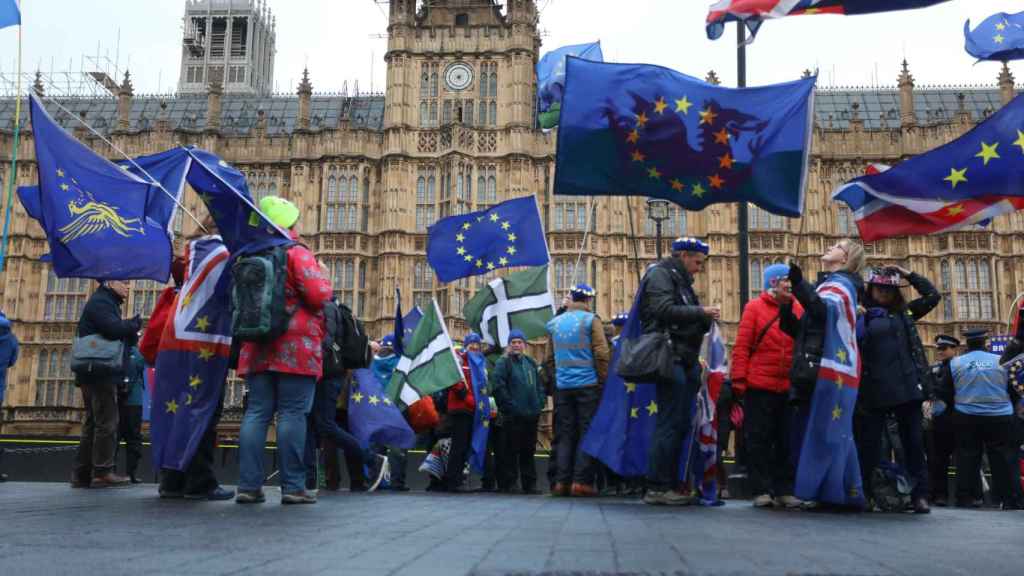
(258, 312)
(346, 345)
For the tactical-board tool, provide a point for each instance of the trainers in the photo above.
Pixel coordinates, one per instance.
(667, 498)
(304, 497)
(583, 490)
(214, 495)
(788, 501)
(109, 480)
(249, 497)
(380, 472)
(763, 501)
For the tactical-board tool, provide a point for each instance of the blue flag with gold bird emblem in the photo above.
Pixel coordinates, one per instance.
(101, 221)
(998, 37)
(192, 361)
(643, 130)
(504, 235)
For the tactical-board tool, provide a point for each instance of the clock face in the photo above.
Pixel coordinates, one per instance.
(458, 76)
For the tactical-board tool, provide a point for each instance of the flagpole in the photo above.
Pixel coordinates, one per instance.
(741, 207)
(14, 158)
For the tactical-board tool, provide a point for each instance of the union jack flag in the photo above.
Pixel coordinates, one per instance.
(703, 466)
(753, 12)
(192, 362)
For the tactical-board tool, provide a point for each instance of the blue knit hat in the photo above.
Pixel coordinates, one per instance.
(687, 244)
(620, 319)
(773, 274)
(581, 293)
(472, 338)
(388, 341)
(516, 334)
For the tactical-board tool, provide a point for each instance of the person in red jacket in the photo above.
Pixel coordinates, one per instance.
(761, 359)
(282, 374)
(461, 405)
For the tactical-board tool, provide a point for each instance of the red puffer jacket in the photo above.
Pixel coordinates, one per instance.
(460, 395)
(298, 350)
(764, 365)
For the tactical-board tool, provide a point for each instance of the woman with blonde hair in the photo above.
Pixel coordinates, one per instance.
(825, 375)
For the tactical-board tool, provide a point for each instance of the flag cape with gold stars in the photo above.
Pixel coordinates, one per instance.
(428, 363)
(192, 361)
(504, 235)
(965, 182)
(520, 300)
(372, 417)
(481, 413)
(828, 470)
(643, 130)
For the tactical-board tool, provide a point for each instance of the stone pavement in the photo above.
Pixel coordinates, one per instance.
(49, 528)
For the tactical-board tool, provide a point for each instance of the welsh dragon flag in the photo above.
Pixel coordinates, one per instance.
(520, 300)
(428, 362)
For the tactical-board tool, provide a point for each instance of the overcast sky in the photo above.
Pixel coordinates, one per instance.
(335, 39)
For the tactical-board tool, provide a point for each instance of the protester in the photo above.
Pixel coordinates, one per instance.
(101, 316)
(282, 374)
(668, 303)
(129, 408)
(325, 399)
(842, 263)
(895, 377)
(761, 358)
(984, 423)
(383, 366)
(461, 406)
(8, 356)
(581, 354)
(941, 438)
(515, 385)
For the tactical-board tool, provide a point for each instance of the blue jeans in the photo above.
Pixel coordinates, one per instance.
(291, 397)
(325, 408)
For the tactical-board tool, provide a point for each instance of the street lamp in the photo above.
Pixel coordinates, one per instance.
(657, 210)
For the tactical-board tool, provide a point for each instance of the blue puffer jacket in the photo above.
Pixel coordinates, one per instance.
(8, 350)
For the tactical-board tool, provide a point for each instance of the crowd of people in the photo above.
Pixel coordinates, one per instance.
(912, 420)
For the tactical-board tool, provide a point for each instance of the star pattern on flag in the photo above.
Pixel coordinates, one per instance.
(195, 381)
(172, 407)
(462, 238)
(203, 323)
(837, 413)
(205, 354)
(373, 400)
(652, 408)
(357, 397)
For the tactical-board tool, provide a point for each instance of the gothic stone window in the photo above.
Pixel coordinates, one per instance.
(428, 93)
(488, 107)
(845, 225)
(763, 220)
(422, 285)
(564, 278)
(348, 278)
(973, 289)
(55, 383)
(570, 215)
(425, 198)
(65, 298)
(346, 205)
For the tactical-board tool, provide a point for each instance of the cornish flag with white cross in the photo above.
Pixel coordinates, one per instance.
(428, 363)
(520, 300)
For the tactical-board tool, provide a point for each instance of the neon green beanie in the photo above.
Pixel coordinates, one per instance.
(280, 211)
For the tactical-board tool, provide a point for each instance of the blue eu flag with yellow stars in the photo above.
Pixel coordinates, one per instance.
(642, 130)
(101, 221)
(482, 412)
(373, 417)
(504, 235)
(998, 37)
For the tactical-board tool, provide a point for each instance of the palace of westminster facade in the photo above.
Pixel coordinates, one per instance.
(455, 132)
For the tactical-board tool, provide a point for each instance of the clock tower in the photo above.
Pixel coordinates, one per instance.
(459, 128)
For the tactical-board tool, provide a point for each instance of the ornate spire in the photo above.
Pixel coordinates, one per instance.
(1006, 83)
(906, 80)
(126, 84)
(305, 87)
(906, 83)
(37, 86)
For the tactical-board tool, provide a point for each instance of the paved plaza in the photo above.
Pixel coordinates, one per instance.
(48, 528)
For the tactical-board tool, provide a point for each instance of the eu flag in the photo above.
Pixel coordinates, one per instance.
(828, 469)
(642, 130)
(999, 37)
(404, 326)
(965, 182)
(507, 234)
(101, 221)
(223, 190)
(192, 363)
(551, 79)
(372, 417)
(482, 412)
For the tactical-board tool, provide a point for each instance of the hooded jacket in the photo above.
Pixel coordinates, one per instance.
(762, 354)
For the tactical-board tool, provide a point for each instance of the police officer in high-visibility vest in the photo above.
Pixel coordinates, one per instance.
(983, 419)
(581, 366)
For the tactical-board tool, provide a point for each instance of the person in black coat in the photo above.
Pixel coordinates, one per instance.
(94, 462)
(940, 439)
(895, 377)
(669, 303)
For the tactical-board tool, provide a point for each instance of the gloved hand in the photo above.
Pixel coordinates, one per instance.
(796, 275)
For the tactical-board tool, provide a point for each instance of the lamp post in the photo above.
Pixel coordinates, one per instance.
(657, 210)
